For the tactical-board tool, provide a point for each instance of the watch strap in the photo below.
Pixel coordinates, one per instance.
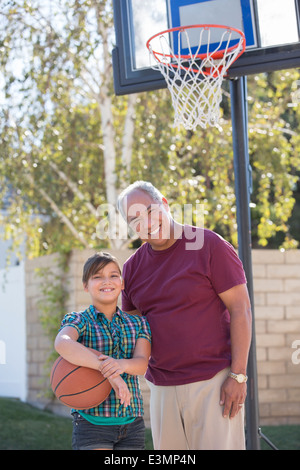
(240, 378)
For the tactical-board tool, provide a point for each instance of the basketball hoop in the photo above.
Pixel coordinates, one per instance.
(194, 74)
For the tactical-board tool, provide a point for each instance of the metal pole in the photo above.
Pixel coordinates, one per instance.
(239, 114)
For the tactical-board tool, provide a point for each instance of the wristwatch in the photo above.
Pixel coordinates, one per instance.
(240, 378)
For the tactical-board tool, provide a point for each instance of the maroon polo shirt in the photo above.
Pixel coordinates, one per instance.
(177, 290)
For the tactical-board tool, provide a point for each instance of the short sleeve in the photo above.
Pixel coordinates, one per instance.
(226, 269)
(127, 305)
(75, 320)
(145, 331)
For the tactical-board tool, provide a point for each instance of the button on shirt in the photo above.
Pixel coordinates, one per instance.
(116, 339)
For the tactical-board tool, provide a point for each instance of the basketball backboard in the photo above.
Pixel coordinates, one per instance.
(271, 28)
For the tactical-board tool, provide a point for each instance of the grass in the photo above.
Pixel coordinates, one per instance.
(24, 427)
(283, 437)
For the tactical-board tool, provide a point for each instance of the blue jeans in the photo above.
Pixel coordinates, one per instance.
(88, 436)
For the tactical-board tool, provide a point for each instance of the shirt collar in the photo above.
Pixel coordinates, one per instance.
(96, 313)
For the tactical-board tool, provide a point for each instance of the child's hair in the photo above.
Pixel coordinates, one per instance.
(97, 262)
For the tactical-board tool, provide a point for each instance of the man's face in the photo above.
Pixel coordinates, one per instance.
(149, 219)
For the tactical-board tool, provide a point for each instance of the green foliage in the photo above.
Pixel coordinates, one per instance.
(197, 167)
(274, 152)
(52, 165)
(52, 305)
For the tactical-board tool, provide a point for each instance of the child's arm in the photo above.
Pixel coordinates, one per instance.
(67, 346)
(137, 365)
(121, 390)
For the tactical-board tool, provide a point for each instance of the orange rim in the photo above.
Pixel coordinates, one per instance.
(213, 55)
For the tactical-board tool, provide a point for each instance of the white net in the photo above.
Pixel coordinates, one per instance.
(195, 78)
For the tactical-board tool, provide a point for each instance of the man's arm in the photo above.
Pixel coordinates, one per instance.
(237, 302)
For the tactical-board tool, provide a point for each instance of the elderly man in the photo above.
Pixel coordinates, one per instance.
(191, 286)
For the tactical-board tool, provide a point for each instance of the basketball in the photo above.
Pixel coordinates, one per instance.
(78, 387)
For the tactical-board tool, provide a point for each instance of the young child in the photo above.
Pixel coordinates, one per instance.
(123, 342)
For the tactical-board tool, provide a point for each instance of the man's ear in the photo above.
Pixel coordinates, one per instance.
(165, 204)
(85, 288)
(122, 283)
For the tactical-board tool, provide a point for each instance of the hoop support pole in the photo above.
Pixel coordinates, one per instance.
(239, 114)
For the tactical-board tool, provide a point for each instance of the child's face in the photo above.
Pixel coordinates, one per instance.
(105, 286)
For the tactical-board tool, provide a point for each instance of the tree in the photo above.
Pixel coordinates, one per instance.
(274, 150)
(197, 167)
(62, 128)
(69, 145)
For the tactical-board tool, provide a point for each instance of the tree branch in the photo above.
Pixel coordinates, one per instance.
(74, 188)
(64, 219)
(128, 133)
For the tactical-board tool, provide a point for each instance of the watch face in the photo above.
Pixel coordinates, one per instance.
(240, 378)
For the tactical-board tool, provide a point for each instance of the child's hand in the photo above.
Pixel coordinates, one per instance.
(121, 390)
(111, 367)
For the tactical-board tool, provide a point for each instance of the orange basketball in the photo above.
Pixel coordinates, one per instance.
(78, 387)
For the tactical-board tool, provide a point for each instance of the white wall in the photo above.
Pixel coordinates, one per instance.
(13, 333)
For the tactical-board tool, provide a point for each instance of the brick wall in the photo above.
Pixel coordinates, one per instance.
(277, 313)
(38, 345)
(277, 318)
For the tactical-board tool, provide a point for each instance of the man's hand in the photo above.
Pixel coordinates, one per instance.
(233, 394)
(232, 397)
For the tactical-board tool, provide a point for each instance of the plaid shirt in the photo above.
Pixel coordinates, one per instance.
(116, 339)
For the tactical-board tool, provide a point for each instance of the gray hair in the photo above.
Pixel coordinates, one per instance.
(145, 186)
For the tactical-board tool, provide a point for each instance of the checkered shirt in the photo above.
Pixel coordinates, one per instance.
(116, 339)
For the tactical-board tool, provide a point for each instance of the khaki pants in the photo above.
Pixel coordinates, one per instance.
(189, 417)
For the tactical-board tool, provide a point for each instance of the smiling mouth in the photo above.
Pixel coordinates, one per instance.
(154, 232)
(106, 290)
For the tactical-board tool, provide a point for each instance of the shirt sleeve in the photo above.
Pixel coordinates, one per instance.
(145, 331)
(75, 320)
(226, 269)
(127, 305)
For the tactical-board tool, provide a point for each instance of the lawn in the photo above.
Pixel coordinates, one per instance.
(26, 428)
(23, 427)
